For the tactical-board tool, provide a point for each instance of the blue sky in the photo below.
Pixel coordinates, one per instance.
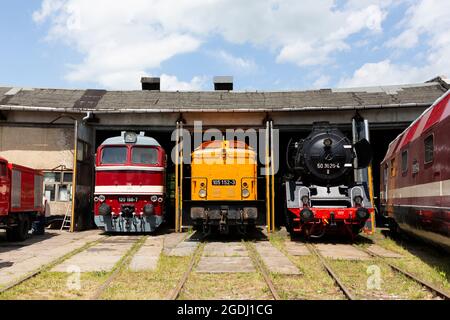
(265, 45)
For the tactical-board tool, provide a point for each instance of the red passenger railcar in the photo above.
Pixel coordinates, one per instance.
(415, 176)
(129, 184)
(21, 198)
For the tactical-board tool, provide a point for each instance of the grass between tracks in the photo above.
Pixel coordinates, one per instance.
(358, 276)
(313, 284)
(146, 285)
(225, 286)
(420, 259)
(50, 285)
(423, 261)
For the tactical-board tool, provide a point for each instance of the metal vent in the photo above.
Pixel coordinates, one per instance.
(16, 187)
(223, 83)
(151, 83)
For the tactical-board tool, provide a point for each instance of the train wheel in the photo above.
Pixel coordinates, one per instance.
(19, 232)
(394, 230)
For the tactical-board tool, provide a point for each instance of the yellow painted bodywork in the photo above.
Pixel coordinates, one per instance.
(220, 161)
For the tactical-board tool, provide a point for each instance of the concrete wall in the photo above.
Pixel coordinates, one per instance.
(39, 148)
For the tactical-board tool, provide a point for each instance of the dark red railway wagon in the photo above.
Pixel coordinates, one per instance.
(130, 184)
(415, 176)
(21, 198)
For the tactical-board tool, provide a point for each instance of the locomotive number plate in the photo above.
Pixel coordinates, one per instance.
(128, 199)
(328, 165)
(224, 182)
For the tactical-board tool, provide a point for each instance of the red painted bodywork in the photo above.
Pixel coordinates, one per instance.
(27, 191)
(132, 177)
(342, 216)
(418, 198)
(345, 214)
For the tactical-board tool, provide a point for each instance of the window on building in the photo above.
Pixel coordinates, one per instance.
(114, 155)
(429, 148)
(58, 186)
(405, 161)
(144, 155)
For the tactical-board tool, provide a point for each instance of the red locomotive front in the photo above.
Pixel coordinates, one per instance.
(129, 184)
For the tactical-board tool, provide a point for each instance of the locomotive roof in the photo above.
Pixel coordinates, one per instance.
(438, 111)
(140, 141)
(102, 101)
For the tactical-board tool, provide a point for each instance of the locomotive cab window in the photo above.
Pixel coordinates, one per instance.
(405, 161)
(114, 155)
(144, 155)
(393, 169)
(2, 169)
(429, 148)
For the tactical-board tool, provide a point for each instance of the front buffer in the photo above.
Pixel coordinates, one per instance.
(125, 214)
(316, 211)
(221, 216)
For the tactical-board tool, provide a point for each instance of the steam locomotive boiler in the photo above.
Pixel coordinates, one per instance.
(321, 195)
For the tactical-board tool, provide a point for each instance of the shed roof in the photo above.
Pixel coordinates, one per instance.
(99, 101)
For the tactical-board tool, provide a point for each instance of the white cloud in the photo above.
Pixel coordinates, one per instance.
(120, 39)
(322, 81)
(171, 83)
(237, 63)
(428, 19)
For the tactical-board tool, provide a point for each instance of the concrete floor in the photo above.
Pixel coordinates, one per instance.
(18, 259)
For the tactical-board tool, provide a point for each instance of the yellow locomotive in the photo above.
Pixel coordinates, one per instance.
(224, 186)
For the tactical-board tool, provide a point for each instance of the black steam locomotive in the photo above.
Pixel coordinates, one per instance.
(321, 195)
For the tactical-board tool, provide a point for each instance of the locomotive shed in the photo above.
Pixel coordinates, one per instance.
(41, 128)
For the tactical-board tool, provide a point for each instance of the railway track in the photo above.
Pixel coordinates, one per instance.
(174, 295)
(330, 271)
(256, 260)
(49, 265)
(430, 287)
(192, 263)
(118, 268)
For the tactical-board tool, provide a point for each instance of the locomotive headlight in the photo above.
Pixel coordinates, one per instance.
(358, 200)
(245, 193)
(305, 200)
(130, 137)
(202, 193)
(95, 199)
(101, 198)
(154, 198)
(327, 142)
(160, 199)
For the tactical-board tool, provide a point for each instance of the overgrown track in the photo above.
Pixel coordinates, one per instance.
(255, 257)
(194, 260)
(430, 287)
(118, 268)
(330, 271)
(50, 265)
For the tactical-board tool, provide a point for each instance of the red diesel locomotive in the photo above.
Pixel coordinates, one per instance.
(415, 176)
(21, 199)
(129, 184)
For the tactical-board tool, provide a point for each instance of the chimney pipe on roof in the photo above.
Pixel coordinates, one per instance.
(151, 83)
(223, 83)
